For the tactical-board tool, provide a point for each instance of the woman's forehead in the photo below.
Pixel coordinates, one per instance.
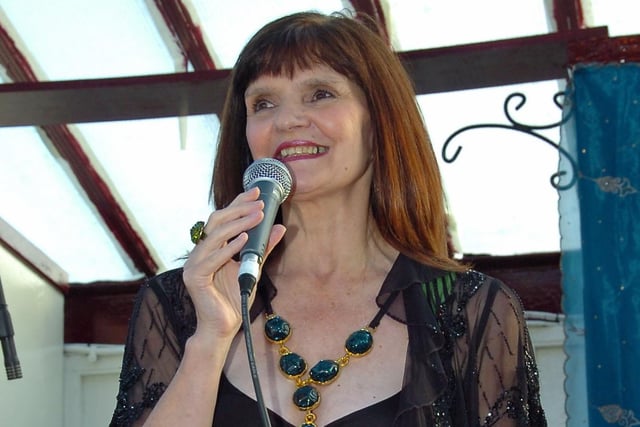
(312, 76)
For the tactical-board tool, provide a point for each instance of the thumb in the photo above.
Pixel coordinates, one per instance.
(277, 233)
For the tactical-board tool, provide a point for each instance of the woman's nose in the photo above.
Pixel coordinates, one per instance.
(291, 117)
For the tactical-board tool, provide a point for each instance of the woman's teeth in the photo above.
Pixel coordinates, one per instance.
(303, 149)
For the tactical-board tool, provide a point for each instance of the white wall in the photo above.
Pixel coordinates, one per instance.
(548, 339)
(91, 383)
(37, 316)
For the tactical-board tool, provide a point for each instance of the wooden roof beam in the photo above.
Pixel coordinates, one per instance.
(503, 62)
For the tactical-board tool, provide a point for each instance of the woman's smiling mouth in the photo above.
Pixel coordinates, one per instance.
(301, 150)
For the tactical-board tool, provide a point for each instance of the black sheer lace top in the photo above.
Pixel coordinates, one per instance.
(470, 360)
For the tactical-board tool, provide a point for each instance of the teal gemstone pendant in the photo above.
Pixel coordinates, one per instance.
(277, 329)
(306, 398)
(292, 365)
(324, 372)
(359, 343)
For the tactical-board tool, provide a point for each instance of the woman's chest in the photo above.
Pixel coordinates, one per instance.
(352, 382)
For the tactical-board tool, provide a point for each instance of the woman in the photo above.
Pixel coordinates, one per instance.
(362, 246)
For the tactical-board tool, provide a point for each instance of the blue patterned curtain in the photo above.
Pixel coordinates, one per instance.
(600, 229)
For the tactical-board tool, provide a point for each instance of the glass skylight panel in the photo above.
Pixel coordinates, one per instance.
(620, 16)
(498, 188)
(77, 39)
(47, 208)
(424, 24)
(229, 28)
(161, 172)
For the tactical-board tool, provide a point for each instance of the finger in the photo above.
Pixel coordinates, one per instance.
(208, 264)
(224, 233)
(213, 261)
(277, 233)
(236, 210)
(243, 204)
(227, 223)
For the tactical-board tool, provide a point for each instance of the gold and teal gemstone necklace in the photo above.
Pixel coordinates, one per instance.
(306, 396)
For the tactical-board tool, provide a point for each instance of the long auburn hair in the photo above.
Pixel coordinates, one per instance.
(407, 199)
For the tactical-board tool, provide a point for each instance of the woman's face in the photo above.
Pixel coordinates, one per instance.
(318, 123)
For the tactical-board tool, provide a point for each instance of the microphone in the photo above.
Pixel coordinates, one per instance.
(273, 179)
(11, 362)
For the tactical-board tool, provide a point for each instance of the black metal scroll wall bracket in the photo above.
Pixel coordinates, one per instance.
(527, 129)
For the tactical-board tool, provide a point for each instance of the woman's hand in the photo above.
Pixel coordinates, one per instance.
(210, 273)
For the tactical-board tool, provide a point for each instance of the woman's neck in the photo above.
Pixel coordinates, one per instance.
(322, 248)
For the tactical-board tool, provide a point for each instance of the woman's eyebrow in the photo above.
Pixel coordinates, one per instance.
(257, 90)
(320, 81)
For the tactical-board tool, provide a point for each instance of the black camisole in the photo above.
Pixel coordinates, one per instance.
(234, 409)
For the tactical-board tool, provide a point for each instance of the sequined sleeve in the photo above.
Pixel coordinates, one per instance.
(493, 356)
(471, 360)
(160, 324)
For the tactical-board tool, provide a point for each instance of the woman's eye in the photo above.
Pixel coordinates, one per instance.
(322, 94)
(261, 104)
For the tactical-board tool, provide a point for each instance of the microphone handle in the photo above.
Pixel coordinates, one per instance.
(252, 255)
(259, 235)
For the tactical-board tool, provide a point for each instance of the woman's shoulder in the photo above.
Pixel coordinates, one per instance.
(170, 285)
(475, 287)
(167, 279)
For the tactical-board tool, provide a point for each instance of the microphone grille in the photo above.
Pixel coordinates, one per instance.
(271, 169)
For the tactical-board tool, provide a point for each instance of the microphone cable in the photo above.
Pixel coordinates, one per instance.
(274, 181)
(246, 329)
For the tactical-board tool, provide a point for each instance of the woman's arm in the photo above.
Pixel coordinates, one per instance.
(501, 376)
(191, 398)
(161, 385)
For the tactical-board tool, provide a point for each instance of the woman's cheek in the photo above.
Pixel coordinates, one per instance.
(256, 139)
